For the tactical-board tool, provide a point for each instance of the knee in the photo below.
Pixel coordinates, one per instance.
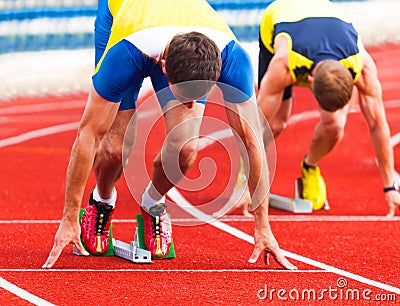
(278, 127)
(175, 154)
(111, 153)
(187, 156)
(334, 132)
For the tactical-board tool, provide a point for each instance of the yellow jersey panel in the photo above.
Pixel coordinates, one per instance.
(114, 6)
(138, 15)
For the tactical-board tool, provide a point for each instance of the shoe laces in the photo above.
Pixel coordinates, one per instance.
(158, 217)
(313, 172)
(103, 212)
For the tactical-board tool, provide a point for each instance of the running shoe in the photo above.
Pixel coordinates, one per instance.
(157, 231)
(245, 198)
(314, 188)
(95, 226)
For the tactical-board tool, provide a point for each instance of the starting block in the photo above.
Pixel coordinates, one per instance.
(132, 251)
(135, 252)
(295, 205)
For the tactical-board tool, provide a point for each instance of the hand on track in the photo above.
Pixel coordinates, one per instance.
(393, 200)
(267, 243)
(66, 233)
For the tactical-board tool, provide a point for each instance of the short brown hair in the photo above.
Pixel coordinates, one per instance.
(190, 57)
(332, 85)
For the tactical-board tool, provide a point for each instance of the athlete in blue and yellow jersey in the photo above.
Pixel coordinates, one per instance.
(312, 43)
(146, 37)
(185, 48)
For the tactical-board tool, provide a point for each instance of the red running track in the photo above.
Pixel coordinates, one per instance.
(350, 248)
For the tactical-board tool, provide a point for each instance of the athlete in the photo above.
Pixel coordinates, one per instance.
(312, 43)
(170, 43)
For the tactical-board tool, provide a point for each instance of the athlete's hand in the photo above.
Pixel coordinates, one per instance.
(393, 200)
(68, 232)
(266, 242)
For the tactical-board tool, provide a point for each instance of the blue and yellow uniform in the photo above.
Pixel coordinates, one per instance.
(317, 30)
(131, 36)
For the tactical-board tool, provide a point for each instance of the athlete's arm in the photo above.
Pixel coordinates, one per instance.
(119, 69)
(244, 120)
(97, 119)
(371, 103)
(243, 116)
(275, 80)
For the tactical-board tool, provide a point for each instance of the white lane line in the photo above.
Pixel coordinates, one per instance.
(214, 137)
(166, 270)
(325, 218)
(237, 218)
(50, 131)
(392, 104)
(185, 205)
(41, 107)
(303, 116)
(78, 103)
(22, 293)
(39, 133)
(395, 139)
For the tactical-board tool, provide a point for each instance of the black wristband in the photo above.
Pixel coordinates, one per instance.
(394, 187)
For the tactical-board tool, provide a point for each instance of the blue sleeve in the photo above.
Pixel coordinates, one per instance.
(161, 88)
(102, 29)
(236, 73)
(121, 68)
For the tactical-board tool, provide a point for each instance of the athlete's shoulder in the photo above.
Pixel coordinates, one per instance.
(295, 10)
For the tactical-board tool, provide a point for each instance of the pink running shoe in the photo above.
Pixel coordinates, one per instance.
(95, 226)
(157, 231)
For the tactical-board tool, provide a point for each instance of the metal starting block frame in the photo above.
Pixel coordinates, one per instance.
(295, 205)
(131, 252)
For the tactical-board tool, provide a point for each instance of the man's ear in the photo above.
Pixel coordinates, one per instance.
(310, 79)
(163, 66)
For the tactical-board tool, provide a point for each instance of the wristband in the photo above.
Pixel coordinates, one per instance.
(394, 187)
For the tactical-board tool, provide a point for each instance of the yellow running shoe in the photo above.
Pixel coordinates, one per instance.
(314, 188)
(241, 179)
(245, 200)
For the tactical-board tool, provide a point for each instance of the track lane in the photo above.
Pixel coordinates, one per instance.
(230, 288)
